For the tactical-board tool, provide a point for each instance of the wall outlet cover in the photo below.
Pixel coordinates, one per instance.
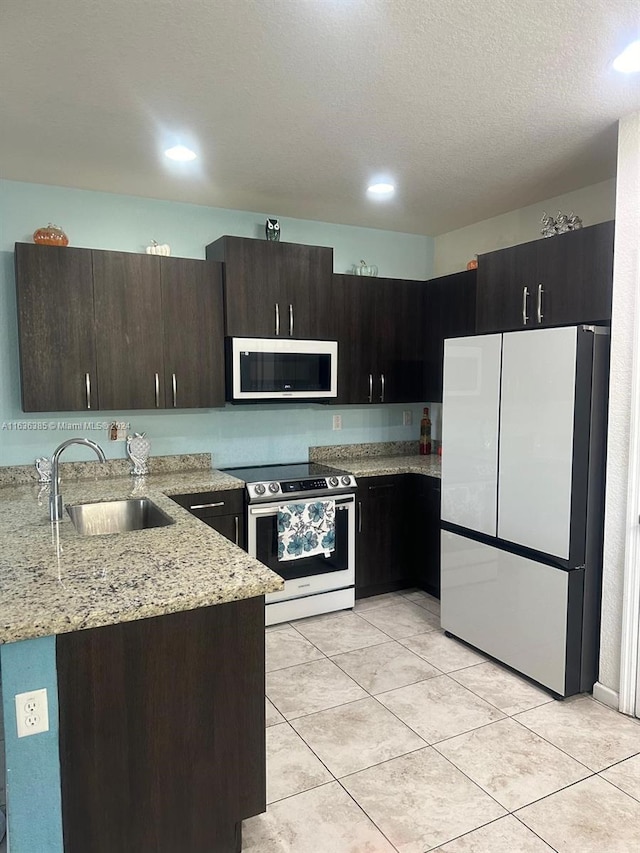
(337, 422)
(407, 418)
(32, 712)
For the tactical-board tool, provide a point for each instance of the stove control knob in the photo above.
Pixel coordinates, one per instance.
(274, 487)
(346, 481)
(333, 481)
(260, 489)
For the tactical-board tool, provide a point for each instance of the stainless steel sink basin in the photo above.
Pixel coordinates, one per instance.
(95, 519)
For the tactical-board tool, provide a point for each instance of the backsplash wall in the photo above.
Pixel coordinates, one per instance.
(235, 434)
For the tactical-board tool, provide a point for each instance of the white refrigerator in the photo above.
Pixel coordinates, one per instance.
(523, 461)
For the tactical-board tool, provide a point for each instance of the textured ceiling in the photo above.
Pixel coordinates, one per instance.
(472, 107)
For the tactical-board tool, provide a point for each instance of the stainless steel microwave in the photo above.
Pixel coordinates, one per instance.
(281, 369)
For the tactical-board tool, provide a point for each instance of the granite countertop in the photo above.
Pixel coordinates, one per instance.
(54, 580)
(373, 466)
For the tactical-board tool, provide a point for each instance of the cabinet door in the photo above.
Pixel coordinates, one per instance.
(230, 526)
(273, 289)
(507, 288)
(394, 348)
(424, 542)
(303, 278)
(193, 333)
(353, 308)
(129, 330)
(575, 277)
(384, 528)
(448, 309)
(55, 323)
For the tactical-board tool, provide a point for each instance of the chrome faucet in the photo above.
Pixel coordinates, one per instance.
(55, 498)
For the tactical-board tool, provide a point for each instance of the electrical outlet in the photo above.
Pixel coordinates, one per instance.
(32, 712)
(407, 418)
(337, 421)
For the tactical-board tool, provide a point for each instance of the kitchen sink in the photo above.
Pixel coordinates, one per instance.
(94, 519)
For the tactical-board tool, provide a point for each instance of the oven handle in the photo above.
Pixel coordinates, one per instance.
(342, 502)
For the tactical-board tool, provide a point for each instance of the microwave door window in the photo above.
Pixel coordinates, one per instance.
(271, 372)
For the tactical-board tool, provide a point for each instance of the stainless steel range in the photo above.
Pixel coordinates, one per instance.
(322, 582)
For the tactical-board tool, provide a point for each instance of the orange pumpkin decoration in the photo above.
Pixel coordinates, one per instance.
(52, 235)
(473, 264)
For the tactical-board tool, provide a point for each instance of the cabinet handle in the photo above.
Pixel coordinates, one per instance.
(174, 389)
(87, 389)
(540, 292)
(206, 506)
(382, 387)
(157, 390)
(237, 523)
(359, 516)
(385, 486)
(371, 387)
(290, 321)
(277, 319)
(525, 296)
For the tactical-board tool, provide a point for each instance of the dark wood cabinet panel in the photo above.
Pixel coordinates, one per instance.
(448, 310)
(553, 281)
(575, 271)
(398, 542)
(155, 755)
(193, 333)
(383, 526)
(425, 542)
(55, 323)
(274, 289)
(129, 330)
(224, 511)
(109, 330)
(353, 317)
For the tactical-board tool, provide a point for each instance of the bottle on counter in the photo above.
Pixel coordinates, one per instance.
(425, 433)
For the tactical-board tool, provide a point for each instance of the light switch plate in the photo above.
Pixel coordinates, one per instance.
(32, 712)
(407, 418)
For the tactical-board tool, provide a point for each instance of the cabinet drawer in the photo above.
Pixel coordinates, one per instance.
(208, 504)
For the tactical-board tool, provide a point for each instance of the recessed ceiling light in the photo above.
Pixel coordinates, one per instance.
(180, 153)
(629, 59)
(381, 189)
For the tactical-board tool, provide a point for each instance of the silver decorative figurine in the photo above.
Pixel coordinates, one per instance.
(138, 449)
(43, 467)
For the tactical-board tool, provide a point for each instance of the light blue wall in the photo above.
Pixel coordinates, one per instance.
(233, 435)
(33, 763)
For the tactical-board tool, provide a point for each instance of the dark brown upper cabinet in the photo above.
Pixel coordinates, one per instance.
(274, 289)
(377, 324)
(118, 330)
(193, 312)
(448, 310)
(55, 324)
(553, 281)
(391, 334)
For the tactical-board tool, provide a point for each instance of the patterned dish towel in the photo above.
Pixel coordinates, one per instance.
(305, 530)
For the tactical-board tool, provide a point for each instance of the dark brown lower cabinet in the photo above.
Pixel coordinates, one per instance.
(162, 731)
(224, 511)
(425, 544)
(398, 538)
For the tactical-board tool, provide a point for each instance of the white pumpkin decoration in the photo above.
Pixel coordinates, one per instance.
(158, 248)
(365, 269)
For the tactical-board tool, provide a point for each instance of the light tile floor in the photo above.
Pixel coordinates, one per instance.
(384, 735)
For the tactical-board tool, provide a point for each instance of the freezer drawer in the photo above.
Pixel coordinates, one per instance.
(513, 608)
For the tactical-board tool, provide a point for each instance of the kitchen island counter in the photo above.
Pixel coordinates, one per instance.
(55, 580)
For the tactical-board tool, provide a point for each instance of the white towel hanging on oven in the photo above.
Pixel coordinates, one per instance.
(306, 529)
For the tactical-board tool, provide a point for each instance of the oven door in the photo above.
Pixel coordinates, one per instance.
(306, 575)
